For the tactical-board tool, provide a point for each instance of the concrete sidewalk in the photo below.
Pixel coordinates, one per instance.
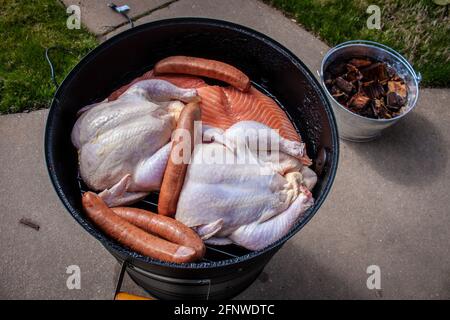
(389, 205)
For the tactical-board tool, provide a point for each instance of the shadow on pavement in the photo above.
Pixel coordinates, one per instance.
(411, 152)
(299, 276)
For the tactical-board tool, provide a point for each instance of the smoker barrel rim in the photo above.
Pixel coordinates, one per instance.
(333, 156)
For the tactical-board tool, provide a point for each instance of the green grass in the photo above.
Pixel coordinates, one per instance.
(26, 29)
(419, 29)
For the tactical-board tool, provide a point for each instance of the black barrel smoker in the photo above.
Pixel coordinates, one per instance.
(225, 271)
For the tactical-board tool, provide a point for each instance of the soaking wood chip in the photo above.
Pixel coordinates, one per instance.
(367, 87)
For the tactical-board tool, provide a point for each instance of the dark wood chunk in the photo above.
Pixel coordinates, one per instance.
(376, 71)
(378, 108)
(359, 63)
(337, 69)
(358, 85)
(335, 90)
(398, 87)
(344, 85)
(373, 89)
(394, 101)
(359, 101)
(341, 97)
(353, 73)
(366, 111)
(390, 72)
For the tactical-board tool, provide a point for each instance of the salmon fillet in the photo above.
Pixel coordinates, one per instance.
(224, 106)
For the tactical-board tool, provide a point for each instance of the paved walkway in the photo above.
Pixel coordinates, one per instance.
(389, 205)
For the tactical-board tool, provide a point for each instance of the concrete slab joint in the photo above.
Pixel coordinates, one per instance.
(100, 19)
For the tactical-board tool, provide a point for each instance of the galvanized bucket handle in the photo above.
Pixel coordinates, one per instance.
(416, 75)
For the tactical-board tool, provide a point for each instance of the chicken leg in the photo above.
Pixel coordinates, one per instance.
(147, 176)
(256, 236)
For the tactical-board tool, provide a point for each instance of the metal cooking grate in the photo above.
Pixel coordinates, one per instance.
(213, 253)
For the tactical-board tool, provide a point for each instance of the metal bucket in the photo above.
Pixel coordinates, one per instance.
(352, 126)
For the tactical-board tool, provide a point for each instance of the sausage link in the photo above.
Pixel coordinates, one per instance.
(205, 68)
(164, 227)
(131, 236)
(176, 169)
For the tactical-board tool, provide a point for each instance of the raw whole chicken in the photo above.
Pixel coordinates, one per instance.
(124, 145)
(254, 198)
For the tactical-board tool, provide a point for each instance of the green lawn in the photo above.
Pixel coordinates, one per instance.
(419, 29)
(26, 29)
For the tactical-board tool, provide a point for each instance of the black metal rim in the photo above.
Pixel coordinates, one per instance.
(199, 21)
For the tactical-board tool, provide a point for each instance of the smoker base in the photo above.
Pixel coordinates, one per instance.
(178, 289)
